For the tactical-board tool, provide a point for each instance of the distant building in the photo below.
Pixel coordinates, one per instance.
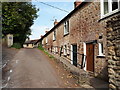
(30, 44)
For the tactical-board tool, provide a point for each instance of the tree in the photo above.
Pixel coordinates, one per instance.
(17, 18)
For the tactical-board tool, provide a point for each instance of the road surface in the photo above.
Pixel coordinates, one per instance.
(31, 68)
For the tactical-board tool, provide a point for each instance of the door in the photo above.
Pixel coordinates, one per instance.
(90, 57)
(75, 55)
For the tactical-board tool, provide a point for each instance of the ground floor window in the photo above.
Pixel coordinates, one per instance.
(100, 52)
(65, 50)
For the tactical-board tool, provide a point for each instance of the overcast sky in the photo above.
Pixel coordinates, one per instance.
(47, 15)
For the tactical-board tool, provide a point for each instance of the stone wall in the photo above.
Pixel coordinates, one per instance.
(113, 44)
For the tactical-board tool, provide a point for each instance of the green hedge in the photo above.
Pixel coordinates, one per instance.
(17, 45)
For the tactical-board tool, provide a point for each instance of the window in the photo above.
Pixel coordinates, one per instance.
(54, 35)
(109, 7)
(62, 49)
(68, 50)
(65, 50)
(100, 49)
(56, 49)
(46, 40)
(106, 9)
(66, 27)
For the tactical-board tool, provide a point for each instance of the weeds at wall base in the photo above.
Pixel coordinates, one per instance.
(42, 49)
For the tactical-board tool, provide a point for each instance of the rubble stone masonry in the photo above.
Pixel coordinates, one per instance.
(113, 44)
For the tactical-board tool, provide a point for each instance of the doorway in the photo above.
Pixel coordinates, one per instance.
(90, 57)
(74, 54)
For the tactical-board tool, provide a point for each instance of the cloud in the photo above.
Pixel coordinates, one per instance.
(37, 31)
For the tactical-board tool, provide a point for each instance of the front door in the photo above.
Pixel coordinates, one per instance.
(90, 57)
(75, 55)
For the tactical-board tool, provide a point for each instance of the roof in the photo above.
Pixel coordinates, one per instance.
(70, 14)
(32, 41)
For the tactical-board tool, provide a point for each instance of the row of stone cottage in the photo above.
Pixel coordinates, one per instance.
(81, 36)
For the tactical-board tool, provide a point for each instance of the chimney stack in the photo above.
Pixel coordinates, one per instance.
(55, 22)
(77, 3)
(41, 36)
(46, 31)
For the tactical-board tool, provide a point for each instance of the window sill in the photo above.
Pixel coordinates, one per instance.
(109, 15)
(100, 56)
(66, 34)
(54, 40)
(65, 55)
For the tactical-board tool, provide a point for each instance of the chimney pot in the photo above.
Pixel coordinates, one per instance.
(55, 22)
(77, 3)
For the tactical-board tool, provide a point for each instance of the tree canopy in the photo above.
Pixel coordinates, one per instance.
(17, 18)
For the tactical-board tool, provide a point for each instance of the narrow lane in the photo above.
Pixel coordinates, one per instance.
(31, 69)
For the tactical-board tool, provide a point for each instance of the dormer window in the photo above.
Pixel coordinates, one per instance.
(66, 27)
(109, 7)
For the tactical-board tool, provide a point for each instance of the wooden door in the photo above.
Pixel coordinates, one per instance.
(90, 57)
(75, 55)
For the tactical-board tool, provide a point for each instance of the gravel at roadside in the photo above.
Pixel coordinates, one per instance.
(7, 55)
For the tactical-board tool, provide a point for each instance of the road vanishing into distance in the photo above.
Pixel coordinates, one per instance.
(32, 68)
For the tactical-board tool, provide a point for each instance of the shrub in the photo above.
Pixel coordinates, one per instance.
(17, 45)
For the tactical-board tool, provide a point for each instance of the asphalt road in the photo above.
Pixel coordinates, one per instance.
(31, 68)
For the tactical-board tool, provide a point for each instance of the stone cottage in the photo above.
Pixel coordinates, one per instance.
(31, 44)
(80, 37)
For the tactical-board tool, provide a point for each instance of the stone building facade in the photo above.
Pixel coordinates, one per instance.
(80, 37)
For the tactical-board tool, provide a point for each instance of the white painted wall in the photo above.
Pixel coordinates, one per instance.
(9, 40)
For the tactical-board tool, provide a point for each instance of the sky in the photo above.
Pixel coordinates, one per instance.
(47, 15)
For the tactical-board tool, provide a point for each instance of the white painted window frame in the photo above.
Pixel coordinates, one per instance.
(54, 35)
(46, 40)
(68, 52)
(100, 53)
(56, 49)
(66, 30)
(84, 61)
(65, 51)
(71, 54)
(110, 12)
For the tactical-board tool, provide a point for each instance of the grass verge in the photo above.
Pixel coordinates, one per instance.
(42, 49)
